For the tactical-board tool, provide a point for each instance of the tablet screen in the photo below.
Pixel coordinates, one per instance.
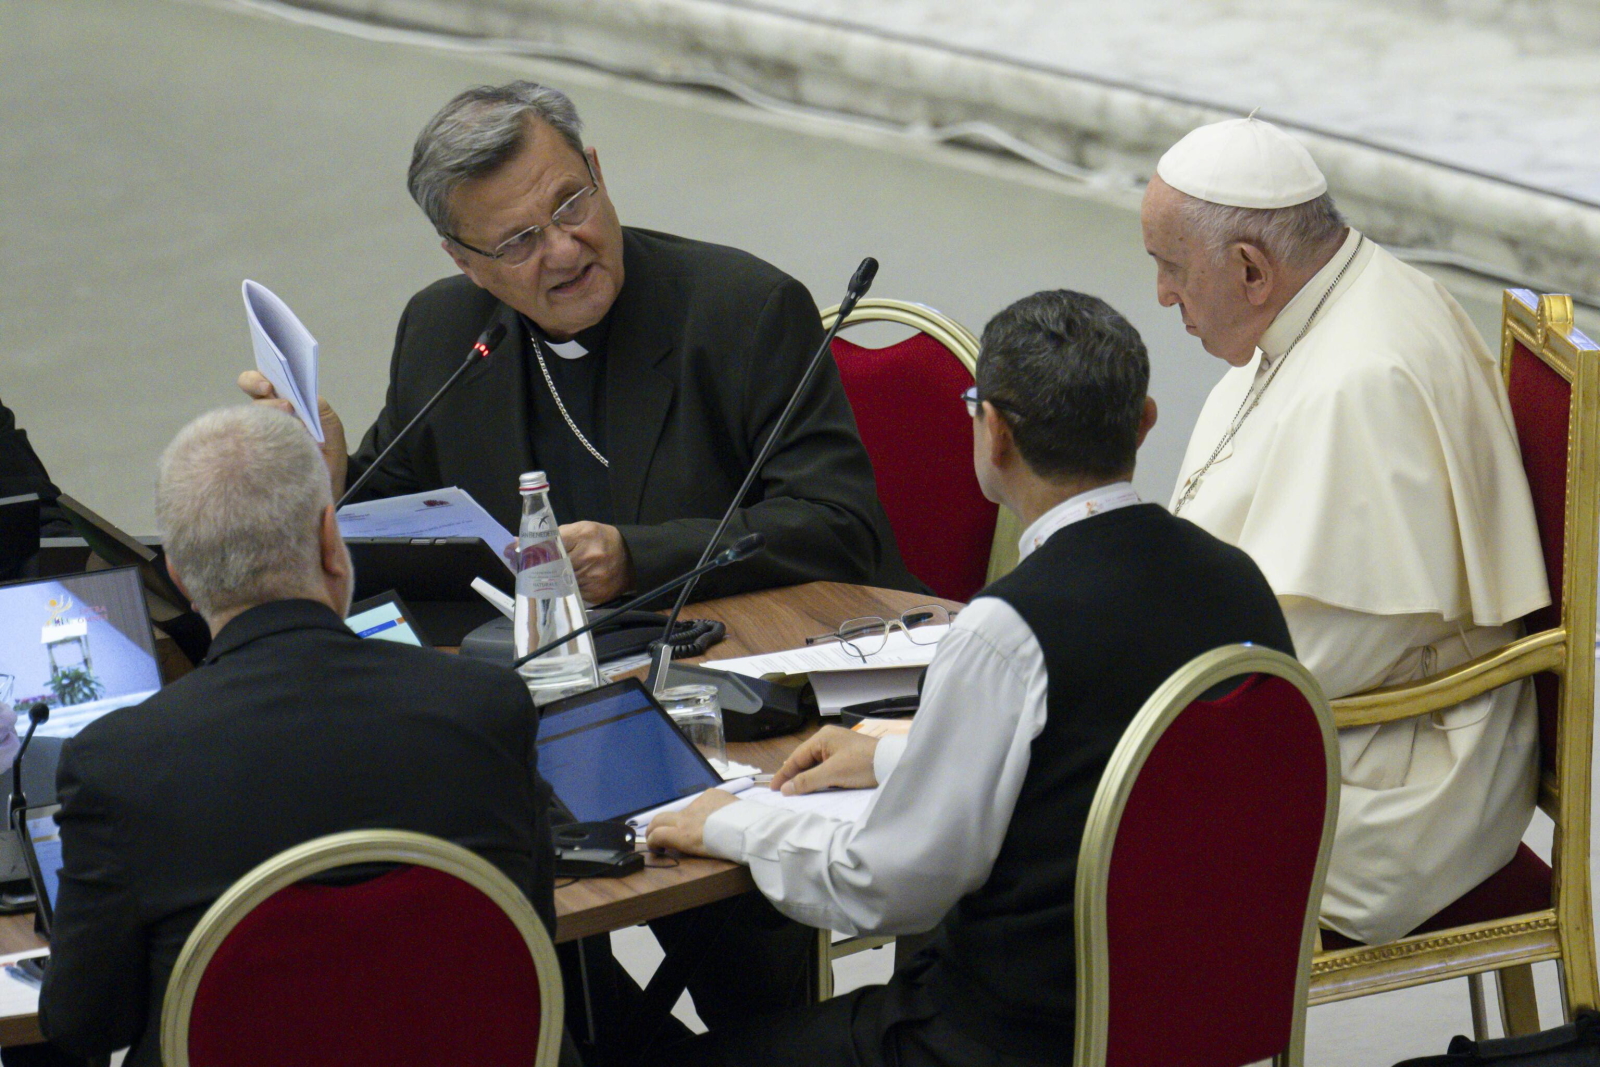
(384, 618)
(612, 752)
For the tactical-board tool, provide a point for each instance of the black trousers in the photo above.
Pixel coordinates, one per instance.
(893, 1025)
(741, 958)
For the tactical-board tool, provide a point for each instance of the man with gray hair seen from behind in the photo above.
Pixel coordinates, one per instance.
(292, 728)
(640, 370)
(973, 832)
(1361, 449)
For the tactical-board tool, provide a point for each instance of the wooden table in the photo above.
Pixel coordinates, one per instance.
(766, 621)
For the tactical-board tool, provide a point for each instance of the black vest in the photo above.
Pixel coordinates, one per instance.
(1117, 602)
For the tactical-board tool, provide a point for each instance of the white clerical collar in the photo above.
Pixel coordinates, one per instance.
(1298, 311)
(1074, 509)
(567, 349)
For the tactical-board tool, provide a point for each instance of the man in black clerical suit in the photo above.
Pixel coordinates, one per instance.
(641, 371)
(291, 729)
(974, 832)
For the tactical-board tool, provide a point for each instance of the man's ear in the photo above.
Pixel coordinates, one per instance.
(335, 560)
(1147, 420)
(454, 251)
(1002, 445)
(594, 161)
(1258, 272)
(177, 580)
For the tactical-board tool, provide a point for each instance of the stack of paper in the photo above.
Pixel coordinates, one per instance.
(286, 353)
(840, 678)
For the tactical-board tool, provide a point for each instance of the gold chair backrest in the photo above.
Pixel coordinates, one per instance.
(964, 346)
(1182, 689)
(349, 849)
(1545, 328)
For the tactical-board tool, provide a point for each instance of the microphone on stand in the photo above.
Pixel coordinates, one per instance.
(37, 714)
(747, 545)
(491, 336)
(860, 282)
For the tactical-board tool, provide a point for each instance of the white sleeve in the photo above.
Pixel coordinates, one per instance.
(932, 831)
(1351, 651)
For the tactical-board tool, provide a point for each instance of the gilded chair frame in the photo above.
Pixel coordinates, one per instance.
(1185, 686)
(1563, 932)
(346, 849)
(964, 346)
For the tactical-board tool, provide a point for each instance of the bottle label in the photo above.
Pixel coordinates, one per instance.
(543, 572)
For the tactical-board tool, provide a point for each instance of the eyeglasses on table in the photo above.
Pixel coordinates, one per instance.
(869, 635)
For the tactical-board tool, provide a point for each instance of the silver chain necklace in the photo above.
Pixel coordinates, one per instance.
(538, 351)
(1253, 397)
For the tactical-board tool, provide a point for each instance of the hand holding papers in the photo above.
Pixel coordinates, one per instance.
(286, 353)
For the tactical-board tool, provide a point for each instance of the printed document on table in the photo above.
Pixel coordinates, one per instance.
(900, 651)
(286, 353)
(437, 513)
(846, 805)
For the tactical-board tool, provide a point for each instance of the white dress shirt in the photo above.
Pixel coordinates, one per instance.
(932, 830)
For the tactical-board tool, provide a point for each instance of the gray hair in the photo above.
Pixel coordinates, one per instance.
(238, 499)
(1287, 234)
(1070, 375)
(475, 133)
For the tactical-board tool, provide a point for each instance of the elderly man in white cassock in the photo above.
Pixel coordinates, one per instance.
(1361, 450)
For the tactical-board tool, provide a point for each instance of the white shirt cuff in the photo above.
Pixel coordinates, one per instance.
(886, 757)
(724, 832)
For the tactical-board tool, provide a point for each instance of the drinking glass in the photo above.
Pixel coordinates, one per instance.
(697, 712)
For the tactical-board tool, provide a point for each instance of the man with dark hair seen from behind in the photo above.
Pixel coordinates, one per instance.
(974, 830)
(642, 371)
(292, 728)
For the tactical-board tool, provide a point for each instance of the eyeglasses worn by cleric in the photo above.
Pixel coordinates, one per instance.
(973, 400)
(520, 247)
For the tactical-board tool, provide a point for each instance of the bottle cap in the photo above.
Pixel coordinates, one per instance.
(532, 482)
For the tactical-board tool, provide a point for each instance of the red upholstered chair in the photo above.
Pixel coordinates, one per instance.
(1526, 912)
(440, 960)
(907, 402)
(1196, 907)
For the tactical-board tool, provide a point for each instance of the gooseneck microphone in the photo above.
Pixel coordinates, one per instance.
(37, 714)
(747, 545)
(860, 282)
(491, 336)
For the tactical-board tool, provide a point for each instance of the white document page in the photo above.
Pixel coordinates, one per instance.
(18, 996)
(286, 353)
(846, 805)
(831, 655)
(437, 513)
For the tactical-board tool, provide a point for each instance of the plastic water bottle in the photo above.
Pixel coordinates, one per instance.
(548, 604)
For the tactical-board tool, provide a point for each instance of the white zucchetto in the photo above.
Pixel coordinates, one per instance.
(1242, 163)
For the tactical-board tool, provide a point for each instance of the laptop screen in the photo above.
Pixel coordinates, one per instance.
(79, 642)
(612, 752)
(43, 844)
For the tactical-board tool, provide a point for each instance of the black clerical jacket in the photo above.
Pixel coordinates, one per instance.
(705, 345)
